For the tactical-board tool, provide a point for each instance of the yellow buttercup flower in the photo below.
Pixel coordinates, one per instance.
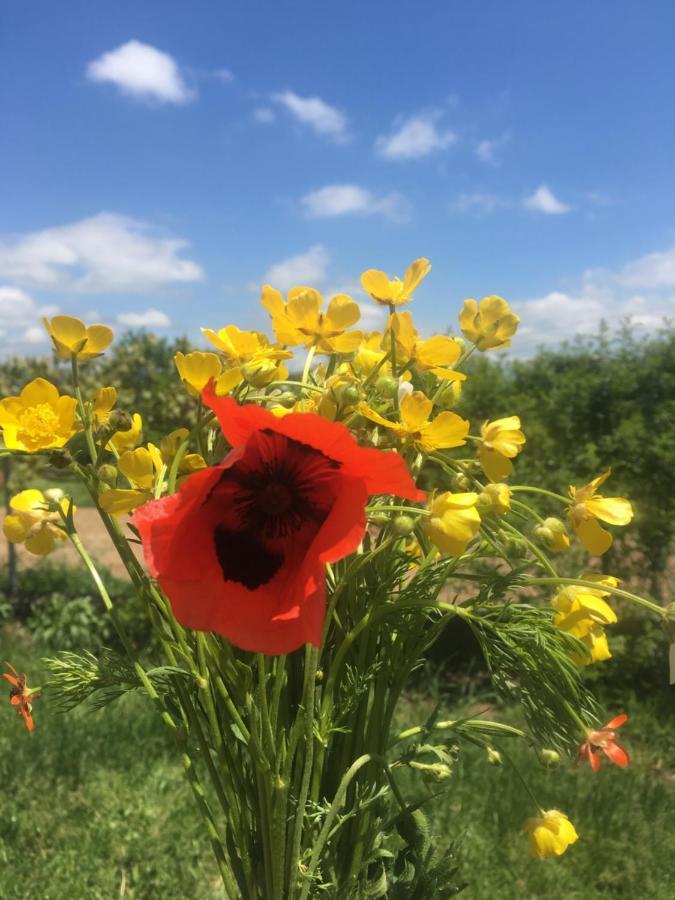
(502, 441)
(168, 447)
(495, 498)
(130, 438)
(38, 419)
(581, 612)
(446, 430)
(140, 468)
(436, 354)
(394, 292)
(454, 521)
(104, 400)
(588, 506)
(369, 355)
(490, 324)
(32, 523)
(550, 834)
(196, 369)
(301, 321)
(71, 337)
(249, 355)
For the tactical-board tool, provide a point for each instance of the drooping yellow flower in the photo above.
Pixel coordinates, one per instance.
(495, 498)
(71, 337)
(553, 534)
(581, 612)
(196, 369)
(301, 321)
(445, 431)
(394, 292)
(38, 419)
(436, 354)
(168, 448)
(454, 521)
(130, 438)
(140, 468)
(502, 441)
(490, 324)
(104, 400)
(588, 506)
(32, 523)
(550, 834)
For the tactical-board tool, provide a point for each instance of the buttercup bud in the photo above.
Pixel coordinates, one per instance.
(350, 395)
(287, 399)
(120, 420)
(403, 525)
(380, 519)
(260, 373)
(494, 757)
(550, 758)
(108, 474)
(386, 386)
(460, 483)
(54, 495)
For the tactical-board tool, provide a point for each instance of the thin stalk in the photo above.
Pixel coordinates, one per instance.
(82, 410)
(528, 489)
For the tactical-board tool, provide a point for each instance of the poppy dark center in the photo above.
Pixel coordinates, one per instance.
(280, 493)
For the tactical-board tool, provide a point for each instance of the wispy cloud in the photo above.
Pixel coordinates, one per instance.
(105, 253)
(307, 268)
(20, 319)
(141, 71)
(150, 318)
(489, 149)
(479, 202)
(415, 137)
(263, 115)
(543, 200)
(316, 113)
(224, 75)
(642, 291)
(350, 199)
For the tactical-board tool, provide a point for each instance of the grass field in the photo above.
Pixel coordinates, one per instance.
(94, 807)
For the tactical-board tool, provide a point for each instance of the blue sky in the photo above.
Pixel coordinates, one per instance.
(160, 161)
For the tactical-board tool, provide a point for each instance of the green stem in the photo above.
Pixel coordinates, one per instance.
(598, 586)
(82, 411)
(528, 489)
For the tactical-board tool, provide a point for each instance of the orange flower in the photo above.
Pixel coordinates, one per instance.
(21, 696)
(603, 739)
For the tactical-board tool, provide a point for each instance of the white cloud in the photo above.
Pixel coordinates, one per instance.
(264, 115)
(316, 113)
(141, 71)
(105, 253)
(543, 200)
(642, 291)
(151, 318)
(304, 269)
(415, 137)
(224, 75)
(479, 202)
(20, 319)
(489, 149)
(350, 199)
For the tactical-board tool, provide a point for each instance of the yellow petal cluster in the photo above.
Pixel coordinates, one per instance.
(30, 522)
(588, 507)
(301, 321)
(581, 612)
(495, 498)
(38, 419)
(394, 292)
(139, 467)
(130, 437)
(490, 324)
(550, 834)
(72, 338)
(453, 523)
(445, 431)
(248, 356)
(502, 441)
(436, 354)
(196, 369)
(104, 400)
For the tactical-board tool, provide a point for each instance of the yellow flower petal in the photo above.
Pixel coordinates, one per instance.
(439, 350)
(415, 410)
(454, 521)
(15, 529)
(138, 466)
(342, 313)
(196, 369)
(376, 283)
(303, 308)
(415, 272)
(593, 536)
(447, 430)
(614, 510)
(42, 541)
(117, 501)
(495, 466)
(39, 391)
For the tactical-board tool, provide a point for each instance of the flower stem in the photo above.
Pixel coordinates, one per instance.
(597, 586)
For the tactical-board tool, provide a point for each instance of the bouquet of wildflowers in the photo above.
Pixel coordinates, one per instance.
(294, 572)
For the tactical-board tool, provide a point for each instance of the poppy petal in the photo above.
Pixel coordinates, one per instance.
(617, 721)
(617, 754)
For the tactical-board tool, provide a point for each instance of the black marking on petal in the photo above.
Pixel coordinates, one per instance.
(245, 559)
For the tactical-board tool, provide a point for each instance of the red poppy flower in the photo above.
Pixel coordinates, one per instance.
(604, 740)
(21, 696)
(241, 548)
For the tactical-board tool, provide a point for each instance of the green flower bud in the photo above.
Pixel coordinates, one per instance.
(54, 495)
(386, 386)
(108, 474)
(287, 399)
(259, 374)
(460, 483)
(550, 758)
(119, 420)
(403, 525)
(380, 519)
(350, 395)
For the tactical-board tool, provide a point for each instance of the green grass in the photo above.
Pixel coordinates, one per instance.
(95, 806)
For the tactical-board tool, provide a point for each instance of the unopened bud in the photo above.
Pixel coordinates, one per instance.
(386, 386)
(259, 374)
(494, 757)
(460, 482)
(543, 534)
(436, 771)
(350, 395)
(403, 525)
(380, 519)
(483, 501)
(108, 474)
(288, 399)
(120, 420)
(550, 758)
(54, 495)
